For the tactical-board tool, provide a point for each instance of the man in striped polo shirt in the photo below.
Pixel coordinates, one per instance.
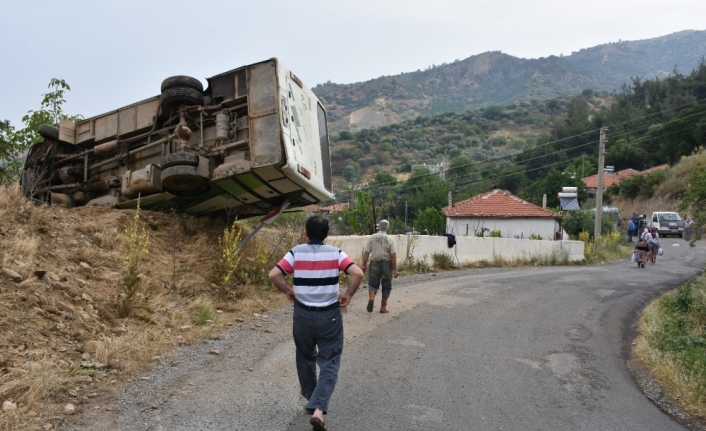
(317, 323)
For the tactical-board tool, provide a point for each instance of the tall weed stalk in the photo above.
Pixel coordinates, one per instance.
(136, 241)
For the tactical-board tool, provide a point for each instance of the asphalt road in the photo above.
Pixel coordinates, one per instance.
(540, 348)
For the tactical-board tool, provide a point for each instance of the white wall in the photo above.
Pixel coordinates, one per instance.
(510, 227)
(467, 249)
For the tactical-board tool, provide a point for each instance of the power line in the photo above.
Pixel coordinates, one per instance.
(455, 186)
(549, 143)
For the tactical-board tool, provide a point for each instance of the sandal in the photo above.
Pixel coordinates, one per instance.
(318, 424)
(371, 302)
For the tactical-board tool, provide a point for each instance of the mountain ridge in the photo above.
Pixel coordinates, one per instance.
(494, 77)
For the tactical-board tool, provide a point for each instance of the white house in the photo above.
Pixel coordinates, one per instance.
(503, 211)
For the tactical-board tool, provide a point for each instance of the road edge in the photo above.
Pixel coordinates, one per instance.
(657, 394)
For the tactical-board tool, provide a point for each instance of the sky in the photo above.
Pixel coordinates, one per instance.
(114, 53)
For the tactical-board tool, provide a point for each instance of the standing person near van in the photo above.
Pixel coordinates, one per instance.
(317, 322)
(381, 250)
(636, 222)
(688, 228)
(631, 230)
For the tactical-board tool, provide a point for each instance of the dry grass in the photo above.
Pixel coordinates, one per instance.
(672, 345)
(40, 366)
(678, 176)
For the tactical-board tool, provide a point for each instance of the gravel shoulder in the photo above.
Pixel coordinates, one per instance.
(252, 379)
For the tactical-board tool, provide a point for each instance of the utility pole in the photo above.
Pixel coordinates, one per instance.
(599, 188)
(405, 214)
(372, 199)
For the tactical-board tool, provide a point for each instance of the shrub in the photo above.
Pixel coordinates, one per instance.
(136, 241)
(443, 260)
(206, 315)
(228, 260)
(496, 234)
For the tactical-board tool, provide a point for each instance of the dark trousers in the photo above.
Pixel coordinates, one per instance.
(380, 273)
(318, 337)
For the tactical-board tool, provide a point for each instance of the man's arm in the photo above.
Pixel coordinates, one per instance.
(356, 275)
(393, 260)
(277, 278)
(366, 255)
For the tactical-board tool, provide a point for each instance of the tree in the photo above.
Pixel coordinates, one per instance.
(424, 190)
(550, 185)
(493, 112)
(462, 170)
(358, 220)
(14, 143)
(430, 221)
(694, 200)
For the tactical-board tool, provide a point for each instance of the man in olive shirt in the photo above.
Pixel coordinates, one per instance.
(380, 249)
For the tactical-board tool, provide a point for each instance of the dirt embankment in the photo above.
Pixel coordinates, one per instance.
(61, 341)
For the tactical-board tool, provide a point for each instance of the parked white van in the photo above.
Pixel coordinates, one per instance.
(667, 223)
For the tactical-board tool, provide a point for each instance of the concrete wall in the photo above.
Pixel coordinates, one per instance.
(467, 249)
(509, 227)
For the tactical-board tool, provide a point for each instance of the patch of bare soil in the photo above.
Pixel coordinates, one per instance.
(61, 341)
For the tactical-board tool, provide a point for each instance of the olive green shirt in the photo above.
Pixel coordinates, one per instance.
(380, 246)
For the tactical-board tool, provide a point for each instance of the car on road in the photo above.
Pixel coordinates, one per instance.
(667, 223)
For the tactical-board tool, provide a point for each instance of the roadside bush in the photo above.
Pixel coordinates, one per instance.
(443, 260)
(672, 343)
(136, 241)
(228, 261)
(206, 315)
(583, 221)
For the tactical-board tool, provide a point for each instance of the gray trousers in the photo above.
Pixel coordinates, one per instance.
(318, 337)
(380, 273)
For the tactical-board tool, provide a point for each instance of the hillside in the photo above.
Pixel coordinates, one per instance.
(616, 63)
(480, 135)
(499, 78)
(62, 338)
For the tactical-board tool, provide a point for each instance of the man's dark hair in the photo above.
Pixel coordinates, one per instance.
(317, 228)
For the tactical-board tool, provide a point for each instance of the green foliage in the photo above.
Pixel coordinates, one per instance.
(136, 241)
(14, 142)
(206, 315)
(430, 221)
(357, 220)
(673, 328)
(584, 221)
(443, 260)
(536, 236)
(228, 261)
(495, 234)
(694, 199)
(641, 185)
(493, 112)
(550, 185)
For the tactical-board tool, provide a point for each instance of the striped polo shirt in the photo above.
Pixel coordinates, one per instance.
(315, 266)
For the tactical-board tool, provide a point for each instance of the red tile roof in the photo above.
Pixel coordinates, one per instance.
(656, 168)
(609, 179)
(498, 203)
